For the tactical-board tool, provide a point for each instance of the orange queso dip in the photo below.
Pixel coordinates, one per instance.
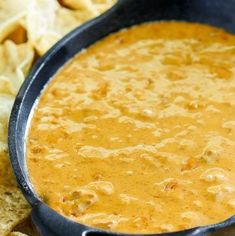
(137, 133)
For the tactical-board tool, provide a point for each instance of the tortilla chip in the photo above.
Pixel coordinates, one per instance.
(11, 13)
(104, 5)
(94, 7)
(85, 5)
(18, 36)
(40, 21)
(5, 109)
(13, 209)
(15, 63)
(17, 234)
(3, 145)
(47, 21)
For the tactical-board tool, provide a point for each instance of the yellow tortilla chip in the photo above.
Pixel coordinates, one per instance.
(17, 234)
(11, 13)
(18, 36)
(94, 7)
(3, 145)
(5, 109)
(104, 5)
(47, 21)
(16, 60)
(13, 209)
(85, 5)
(40, 24)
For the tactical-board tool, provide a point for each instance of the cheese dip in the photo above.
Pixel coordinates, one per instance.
(136, 133)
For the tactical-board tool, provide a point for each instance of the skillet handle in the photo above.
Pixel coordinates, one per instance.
(39, 221)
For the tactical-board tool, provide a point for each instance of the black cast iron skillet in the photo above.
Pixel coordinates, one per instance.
(125, 13)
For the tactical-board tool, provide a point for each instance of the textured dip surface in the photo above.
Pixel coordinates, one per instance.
(137, 133)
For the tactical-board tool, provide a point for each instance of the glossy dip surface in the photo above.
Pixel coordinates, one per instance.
(137, 133)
